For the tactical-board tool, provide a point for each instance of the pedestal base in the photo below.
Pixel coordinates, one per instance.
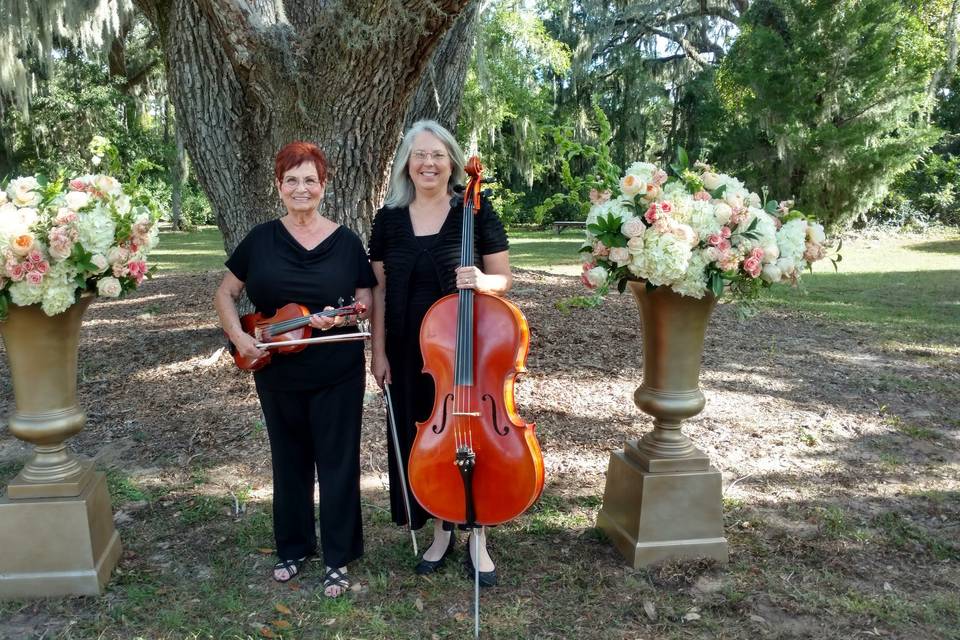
(23, 489)
(58, 546)
(653, 517)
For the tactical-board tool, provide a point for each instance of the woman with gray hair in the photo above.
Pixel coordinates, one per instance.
(415, 254)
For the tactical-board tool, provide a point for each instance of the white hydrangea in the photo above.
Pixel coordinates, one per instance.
(694, 282)
(703, 219)
(665, 258)
(766, 227)
(59, 288)
(97, 230)
(792, 239)
(23, 293)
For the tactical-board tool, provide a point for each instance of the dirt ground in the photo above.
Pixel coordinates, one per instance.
(839, 455)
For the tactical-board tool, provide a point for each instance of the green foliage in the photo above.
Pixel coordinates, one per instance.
(583, 167)
(508, 99)
(827, 100)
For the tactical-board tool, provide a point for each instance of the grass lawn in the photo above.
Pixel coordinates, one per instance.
(905, 285)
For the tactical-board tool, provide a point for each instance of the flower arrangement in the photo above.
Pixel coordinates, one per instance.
(61, 238)
(699, 231)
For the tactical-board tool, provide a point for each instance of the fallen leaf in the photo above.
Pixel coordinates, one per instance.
(265, 551)
(267, 632)
(281, 624)
(418, 603)
(460, 616)
(650, 610)
(283, 609)
(330, 622)
(757, 618)
(691, 616)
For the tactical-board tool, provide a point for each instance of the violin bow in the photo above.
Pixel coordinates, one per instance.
(347, 337)
(403, 476)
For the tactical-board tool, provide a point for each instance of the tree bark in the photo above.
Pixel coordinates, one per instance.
(440, 93)
(248, 76)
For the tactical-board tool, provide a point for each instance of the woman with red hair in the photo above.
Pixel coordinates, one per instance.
(312, 400)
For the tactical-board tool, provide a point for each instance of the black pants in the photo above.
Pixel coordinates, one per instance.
(318, 429)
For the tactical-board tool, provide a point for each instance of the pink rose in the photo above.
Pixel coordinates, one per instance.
(659, 177)
(600, 250)
(35, 256)
(34, 277)
(137, 269)
(714, 239)
(702, 196)
(726, 232)
(724, 245)
(752, 266)
(17, 272)
(652, 214)
(665, 207)
(757, 253)
(814, 252)
(77, 184)
(65, 216)
(41, 267)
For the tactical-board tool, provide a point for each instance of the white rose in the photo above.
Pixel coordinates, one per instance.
(815, 233)
(771, 273)
(122, 203)
(753, 200)
(734, 197)
(100, 262)
(22, 191)
(770, 253)
(787, 266)
(635, 244)
(711, 181)
(620, 256)
(631, 185)
(596, 276)
(106, 184)
(633, 228)
(76, 200)
(118, 255)
(722, 212)
(109, 287)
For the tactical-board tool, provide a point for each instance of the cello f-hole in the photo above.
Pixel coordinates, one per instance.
(443, 420)
(493, 415)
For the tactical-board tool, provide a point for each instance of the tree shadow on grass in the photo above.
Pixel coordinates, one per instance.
(938, 246)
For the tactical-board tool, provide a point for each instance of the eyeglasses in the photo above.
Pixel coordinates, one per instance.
(436, 156)
(291, 183)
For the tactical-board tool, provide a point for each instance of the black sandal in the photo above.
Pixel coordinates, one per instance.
(292, 567)
(336, 578)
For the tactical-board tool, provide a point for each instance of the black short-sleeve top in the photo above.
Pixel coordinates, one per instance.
(393, 242)
(277, 270)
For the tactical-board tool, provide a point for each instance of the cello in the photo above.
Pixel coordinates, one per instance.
(474, 461)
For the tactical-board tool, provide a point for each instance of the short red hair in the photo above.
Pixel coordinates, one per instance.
(295, 154)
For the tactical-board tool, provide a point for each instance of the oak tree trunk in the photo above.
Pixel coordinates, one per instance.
(248, 76)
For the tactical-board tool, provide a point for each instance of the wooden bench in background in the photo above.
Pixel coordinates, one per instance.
(560, 225)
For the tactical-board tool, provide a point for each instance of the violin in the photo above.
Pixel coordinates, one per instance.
(288, 331)
(474, 461)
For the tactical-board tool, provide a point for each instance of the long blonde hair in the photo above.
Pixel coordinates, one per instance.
(401, 191)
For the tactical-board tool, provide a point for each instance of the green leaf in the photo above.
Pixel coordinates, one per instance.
(771, 206)
(622, 285)
(682, 159)
(717, 193)
(716, 284)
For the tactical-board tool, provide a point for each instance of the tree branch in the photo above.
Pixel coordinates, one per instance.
(685, 44)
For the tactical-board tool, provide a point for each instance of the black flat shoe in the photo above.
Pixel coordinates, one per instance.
(426, 567)
(487, 578)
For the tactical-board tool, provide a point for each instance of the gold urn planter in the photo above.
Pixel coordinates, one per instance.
(56, 525)
(662, 498)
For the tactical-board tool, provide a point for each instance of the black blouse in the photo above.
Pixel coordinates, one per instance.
(392, 241)
(276, 270)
